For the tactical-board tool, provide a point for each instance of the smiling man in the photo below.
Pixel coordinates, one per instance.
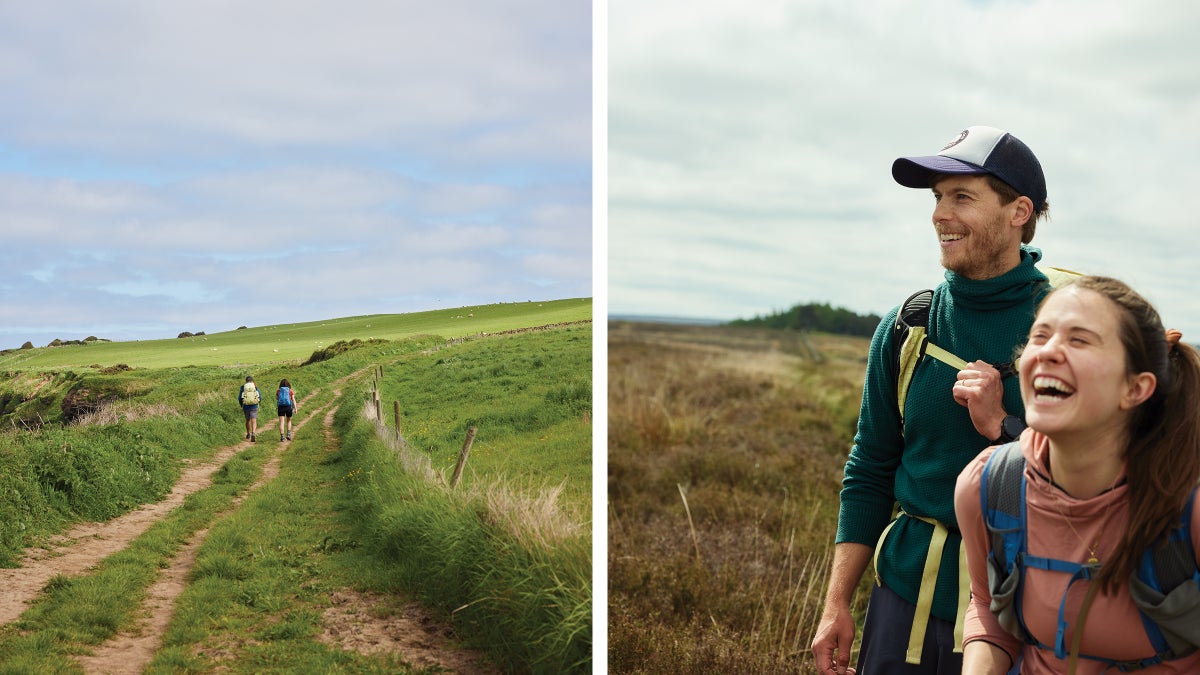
(989, 193)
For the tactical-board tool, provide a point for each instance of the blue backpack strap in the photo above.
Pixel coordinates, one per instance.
(1002, 498)
(1002, 502)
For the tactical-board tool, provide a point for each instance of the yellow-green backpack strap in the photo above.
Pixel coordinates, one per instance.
(908, 341)
(910, 354)
(912, 322)
(944, 356)
(1059, 276)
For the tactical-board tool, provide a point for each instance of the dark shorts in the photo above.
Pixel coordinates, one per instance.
(251, 411)
(885, 639)
(285, 411)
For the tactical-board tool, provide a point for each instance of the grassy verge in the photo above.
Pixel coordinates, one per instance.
(506, 553)
(725, 463)
(526, 600)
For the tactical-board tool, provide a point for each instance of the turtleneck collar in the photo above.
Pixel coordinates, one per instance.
(1016, 285)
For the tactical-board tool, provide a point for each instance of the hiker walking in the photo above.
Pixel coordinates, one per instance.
(989, 194)
(285, 402)
(1097, 571)
(250, 397)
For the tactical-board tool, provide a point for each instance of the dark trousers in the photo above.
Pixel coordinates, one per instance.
(885, 640)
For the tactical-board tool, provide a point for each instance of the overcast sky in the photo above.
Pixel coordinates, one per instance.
(172, 166)
(750, 151)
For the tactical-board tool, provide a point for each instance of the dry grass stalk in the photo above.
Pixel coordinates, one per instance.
(691, 523)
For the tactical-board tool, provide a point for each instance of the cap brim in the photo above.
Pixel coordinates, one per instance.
(915, 172)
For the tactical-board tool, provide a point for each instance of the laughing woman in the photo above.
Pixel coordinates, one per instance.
(1080, 535)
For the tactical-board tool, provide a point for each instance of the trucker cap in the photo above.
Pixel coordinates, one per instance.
(979, 150)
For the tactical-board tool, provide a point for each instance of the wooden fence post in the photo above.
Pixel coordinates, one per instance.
(462, 457)
(396, 409)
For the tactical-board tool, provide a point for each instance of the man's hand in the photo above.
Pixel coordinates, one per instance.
(980, 389)
(831, 644)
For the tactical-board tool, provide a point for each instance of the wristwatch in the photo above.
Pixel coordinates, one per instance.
(1010, 429)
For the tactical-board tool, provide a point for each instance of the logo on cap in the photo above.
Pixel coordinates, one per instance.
(961, 137)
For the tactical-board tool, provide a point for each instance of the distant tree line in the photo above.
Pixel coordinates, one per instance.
(815, 317)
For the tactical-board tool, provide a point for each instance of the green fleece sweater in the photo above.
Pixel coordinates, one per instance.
(916, 464)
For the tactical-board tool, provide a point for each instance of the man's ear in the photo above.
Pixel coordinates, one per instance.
(1022, 211)
(1141, 387)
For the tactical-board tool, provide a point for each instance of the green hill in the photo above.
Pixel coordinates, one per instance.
(266, 345)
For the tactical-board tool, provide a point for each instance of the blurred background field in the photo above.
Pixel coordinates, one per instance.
(726, 448)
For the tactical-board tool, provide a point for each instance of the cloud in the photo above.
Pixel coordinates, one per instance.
(749, 152)
(230, 164)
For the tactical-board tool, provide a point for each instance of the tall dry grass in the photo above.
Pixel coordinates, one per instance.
(725, 460)
(532, 514)
(126, 412)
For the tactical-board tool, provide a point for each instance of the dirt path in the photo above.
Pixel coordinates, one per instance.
(350, 623)
(129, 652)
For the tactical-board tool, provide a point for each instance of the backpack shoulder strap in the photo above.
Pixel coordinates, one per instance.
(1059, 276)
(909, 340)
(1002, 500)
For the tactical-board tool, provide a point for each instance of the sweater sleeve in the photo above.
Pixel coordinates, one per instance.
(981, 623)
(868, 485)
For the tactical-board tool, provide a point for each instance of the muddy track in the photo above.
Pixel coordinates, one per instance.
(349, 622)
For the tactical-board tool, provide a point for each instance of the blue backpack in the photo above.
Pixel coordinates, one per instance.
(1165, 588)
(284, 397)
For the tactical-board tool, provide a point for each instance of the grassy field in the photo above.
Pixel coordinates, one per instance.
(725, 458)
(504, 556)
(264, 345)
